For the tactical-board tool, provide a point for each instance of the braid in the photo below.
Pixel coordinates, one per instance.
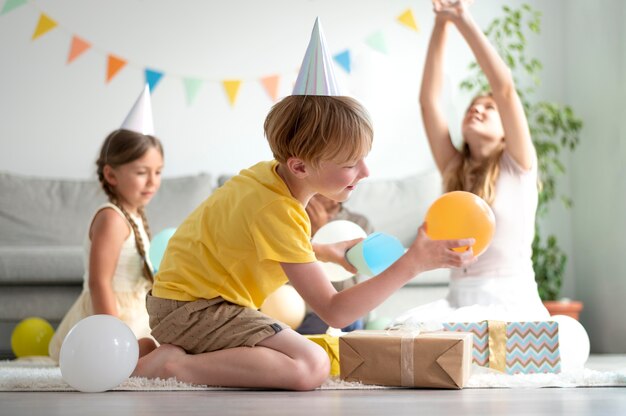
(144, 220)
(147, 272)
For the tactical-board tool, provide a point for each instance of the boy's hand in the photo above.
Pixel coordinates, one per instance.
(430, 254)
(336, 253)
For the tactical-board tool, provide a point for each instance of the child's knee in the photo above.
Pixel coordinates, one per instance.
(313, 370)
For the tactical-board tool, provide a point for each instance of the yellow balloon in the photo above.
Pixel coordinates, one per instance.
(286, 305)
(461, 214)
(31, 337)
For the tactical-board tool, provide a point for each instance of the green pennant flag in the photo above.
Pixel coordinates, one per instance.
(192, 85)
(377, 42)
(12, 4)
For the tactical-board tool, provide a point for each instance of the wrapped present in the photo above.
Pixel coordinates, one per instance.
(402, 358)
(514, 347)
(331, 346)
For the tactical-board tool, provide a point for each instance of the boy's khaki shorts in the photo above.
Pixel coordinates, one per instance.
(208, 325)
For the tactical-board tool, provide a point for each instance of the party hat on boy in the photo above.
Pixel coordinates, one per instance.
(139, 119)
(317, 74)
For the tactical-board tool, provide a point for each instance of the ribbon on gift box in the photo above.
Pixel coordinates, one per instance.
(497, 345)
(407, 334)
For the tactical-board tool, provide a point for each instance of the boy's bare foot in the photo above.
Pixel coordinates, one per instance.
(158, 363)
(146, 346)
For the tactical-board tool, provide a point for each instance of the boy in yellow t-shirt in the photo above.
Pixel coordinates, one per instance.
(252, 236)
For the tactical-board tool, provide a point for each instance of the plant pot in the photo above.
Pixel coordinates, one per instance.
(564, 307)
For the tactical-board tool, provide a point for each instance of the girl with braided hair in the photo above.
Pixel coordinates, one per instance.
(118, 273)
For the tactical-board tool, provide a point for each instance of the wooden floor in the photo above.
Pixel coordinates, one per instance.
(484, 402)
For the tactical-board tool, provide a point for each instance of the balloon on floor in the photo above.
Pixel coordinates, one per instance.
(31, 337)
(285, 305)
(98, 353)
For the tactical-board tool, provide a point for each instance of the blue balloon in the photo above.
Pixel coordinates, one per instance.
(374, 254)
(158, 246)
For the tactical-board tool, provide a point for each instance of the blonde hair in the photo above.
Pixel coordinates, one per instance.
(479, 179)
(318, 128)
(121, 147)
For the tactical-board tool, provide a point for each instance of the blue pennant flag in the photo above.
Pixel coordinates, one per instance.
(152, 78)
(343, 59)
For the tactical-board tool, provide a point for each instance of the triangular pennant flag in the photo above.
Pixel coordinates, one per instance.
(408, 20)
(270, 83)
(343, 59)
(114, 64)
(11, 5)
(377, 41)
(77, 48)
(317, 72)
(152, 78)
(192, 86)
(44, 25)
(232, 88)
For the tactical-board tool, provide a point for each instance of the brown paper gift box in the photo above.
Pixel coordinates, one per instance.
(398, 358)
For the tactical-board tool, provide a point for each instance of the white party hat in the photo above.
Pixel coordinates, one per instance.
(139, 119)
(317, 74)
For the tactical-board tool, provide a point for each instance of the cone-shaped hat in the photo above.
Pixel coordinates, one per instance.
(317, 74)
(139, 119)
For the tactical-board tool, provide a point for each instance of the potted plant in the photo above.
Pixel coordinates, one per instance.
(554, 127)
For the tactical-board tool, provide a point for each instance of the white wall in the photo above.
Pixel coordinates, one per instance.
(54, 115)
(596, 87)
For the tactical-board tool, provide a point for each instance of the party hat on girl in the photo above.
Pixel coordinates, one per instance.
(317, 74)
(139, 119)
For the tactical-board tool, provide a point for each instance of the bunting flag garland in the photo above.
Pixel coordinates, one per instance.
(232, 88)
(152, 78)
(44, 25)
(114, 64)
(192, 85)
(343, 59)
(377, 42)
(78, 47)
(11, 5)
(270, 83)
(408, 20)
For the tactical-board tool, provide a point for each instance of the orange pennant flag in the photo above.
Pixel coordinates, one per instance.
(232, 88)
(44, 25)
(270, 83)
(408, 20)
(114, 64)
(77, 48)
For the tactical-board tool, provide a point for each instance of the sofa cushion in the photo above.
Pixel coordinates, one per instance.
(41, 264)
(43, 223)
(176, 199)
(44, 212)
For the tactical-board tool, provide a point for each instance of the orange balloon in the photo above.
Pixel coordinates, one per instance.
(461, 214)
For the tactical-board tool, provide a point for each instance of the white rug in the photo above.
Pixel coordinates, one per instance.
(40, 375)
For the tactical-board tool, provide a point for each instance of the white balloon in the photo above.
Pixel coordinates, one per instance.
(574, 343)
(334, 232)
(98, 353)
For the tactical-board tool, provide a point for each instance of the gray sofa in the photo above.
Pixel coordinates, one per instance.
(43, 223)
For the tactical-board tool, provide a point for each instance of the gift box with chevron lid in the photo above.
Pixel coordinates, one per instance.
(514, 347)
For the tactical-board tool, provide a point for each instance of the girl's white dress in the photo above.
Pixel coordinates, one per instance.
(129, 286)
(501, 284)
